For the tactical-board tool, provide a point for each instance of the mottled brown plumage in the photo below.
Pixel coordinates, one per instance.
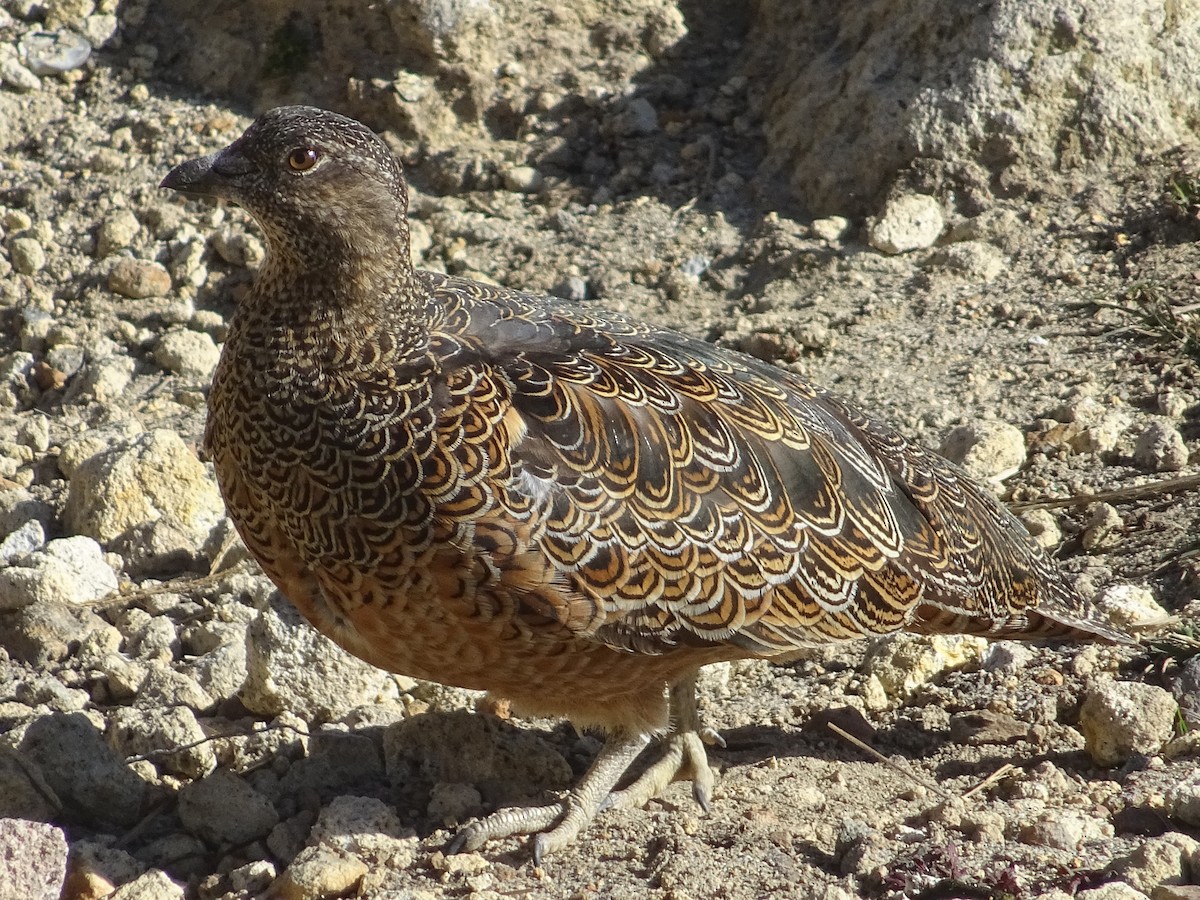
(565, 507)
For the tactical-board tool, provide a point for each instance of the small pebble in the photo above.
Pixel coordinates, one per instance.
(152, 885)
(1103, 524)
(986, 449)
(17, 77)
(1042, 527)
(238, 248)
(978, 260)
(117, 232)
(1130, 605)
(135, 731)
(27, 255)
(69, 570)
(52, 53)
(986, 727)
(639, 118)
(27, 538)
(1183, 800)
(1064, 830)
(138, 279)
(910, 222)
(1160, 861)
(523, 179)
(572, 288)
(1115, 890)
(830, 229)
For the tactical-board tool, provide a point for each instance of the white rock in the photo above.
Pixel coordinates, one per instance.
(986, 450)
(28, 537)
(321, 872)
(1006, 656)
(68, 570)
(1065, 830)
(171, 737)
(1103, 523)
(902, 663)
(830, 228)
(152, 885)
(1042, 527)
(18, 77)
(1131, 605)
(103, 380)
(148, 477)
(293, 667)
(16, 384)
(238, 248)
(366, 827)
(1014, 103)
(1160, 448)
(34, 433)
(33, 864)
(1115, 890)
(665, 28)
(1104, 435)
(191, 354)
(908, 222)
(124, 677)
(222, 808)
(1159, 861)
(523, 179)
(100, 29)
(1121, 719)
(1183, 800)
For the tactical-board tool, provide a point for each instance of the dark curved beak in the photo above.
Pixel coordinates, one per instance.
(209, 176)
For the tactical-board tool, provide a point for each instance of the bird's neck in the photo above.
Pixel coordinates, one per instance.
(340, 303)
(340, 275)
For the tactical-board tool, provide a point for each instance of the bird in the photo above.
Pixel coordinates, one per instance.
(568, 508)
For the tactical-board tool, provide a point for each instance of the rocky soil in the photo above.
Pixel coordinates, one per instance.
(980, 224)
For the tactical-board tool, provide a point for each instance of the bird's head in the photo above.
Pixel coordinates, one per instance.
(324, 188)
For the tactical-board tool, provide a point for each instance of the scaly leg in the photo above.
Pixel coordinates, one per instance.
(683, 755)
(558, 824)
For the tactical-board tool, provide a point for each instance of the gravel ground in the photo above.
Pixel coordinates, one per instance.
(169, 728)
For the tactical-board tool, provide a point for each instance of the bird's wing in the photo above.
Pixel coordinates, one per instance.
(681, 494)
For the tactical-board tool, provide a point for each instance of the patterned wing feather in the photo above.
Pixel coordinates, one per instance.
(684, 495)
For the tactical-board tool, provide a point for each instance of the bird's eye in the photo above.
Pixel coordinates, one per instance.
(302, 159)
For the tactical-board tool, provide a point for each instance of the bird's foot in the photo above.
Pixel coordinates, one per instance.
(557, 824)
(683, 756)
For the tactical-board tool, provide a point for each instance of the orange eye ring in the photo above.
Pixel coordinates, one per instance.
(302, 159)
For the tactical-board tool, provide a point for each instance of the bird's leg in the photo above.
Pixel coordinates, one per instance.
(573, 813)
(683, 755)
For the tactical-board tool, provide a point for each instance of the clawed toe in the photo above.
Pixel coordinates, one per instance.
(505, 823)
(683, 757)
